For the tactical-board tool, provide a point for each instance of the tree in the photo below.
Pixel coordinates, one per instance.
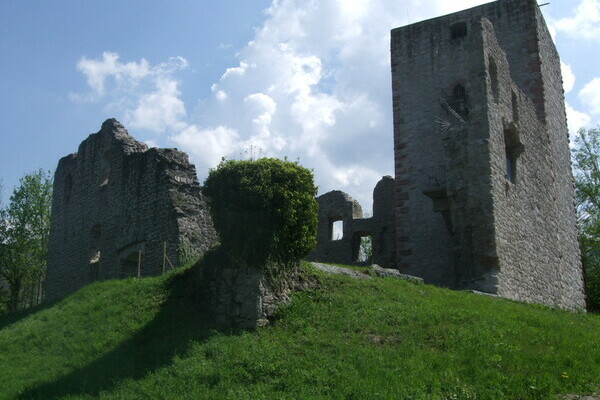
(586, 163)
(3, 291)
(24, 233)
(264, 211)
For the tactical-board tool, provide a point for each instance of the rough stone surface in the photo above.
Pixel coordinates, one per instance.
(339, 206)
(484, 188)
(116, 203)
(240, 297)
(376, 270)
(335, 270)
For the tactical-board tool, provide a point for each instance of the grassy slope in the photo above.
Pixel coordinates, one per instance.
(377, 339)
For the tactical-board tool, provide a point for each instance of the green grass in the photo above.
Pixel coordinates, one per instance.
(347, 339)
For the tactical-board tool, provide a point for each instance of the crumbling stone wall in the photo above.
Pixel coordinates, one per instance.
(484, 189)
(339, 206)
(117, 203)
(238, 296)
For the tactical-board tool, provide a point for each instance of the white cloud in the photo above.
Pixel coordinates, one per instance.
(576, 120)
(208, 145)
(568, 77)
(313, 84)
(590, 96)
(98, 71)
(239, 71)
(584, 24)
(159, 110)
(146, 96)
(221, 95)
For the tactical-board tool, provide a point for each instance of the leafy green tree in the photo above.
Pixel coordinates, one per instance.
(3, 291)
(24, 233)
(586, 163)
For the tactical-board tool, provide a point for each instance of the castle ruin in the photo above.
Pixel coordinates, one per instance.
(120, 209)
(338, 207)
(484, 195)
(484, 188)
(482, 198)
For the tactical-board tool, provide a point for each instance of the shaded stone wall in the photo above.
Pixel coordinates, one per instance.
(339, 206)
(484, 189)
(239, 296)
(116, 203)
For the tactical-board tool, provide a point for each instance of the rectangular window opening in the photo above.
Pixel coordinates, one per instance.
(336, 230)
(364, 251)
(458, 30)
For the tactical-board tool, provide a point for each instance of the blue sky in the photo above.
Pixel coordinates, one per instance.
(304, 79)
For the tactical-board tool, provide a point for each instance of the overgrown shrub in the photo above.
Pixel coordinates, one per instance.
(264, 210)
(589, 242)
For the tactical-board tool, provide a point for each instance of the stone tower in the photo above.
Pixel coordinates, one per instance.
(118, 205)
(484, 188)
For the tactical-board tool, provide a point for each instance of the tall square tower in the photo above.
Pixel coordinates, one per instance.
(484, 188)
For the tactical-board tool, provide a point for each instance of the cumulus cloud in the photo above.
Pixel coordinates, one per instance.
(160, 109)
(585, 23)
(590, 96)
(313, 84)
(576, 120)
(147, 95)
(208, 145)
(98, 71)
(568, 77)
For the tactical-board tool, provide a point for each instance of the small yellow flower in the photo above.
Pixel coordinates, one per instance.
(565, 375)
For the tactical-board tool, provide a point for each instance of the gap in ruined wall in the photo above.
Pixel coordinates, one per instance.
(128, 266)
(130, 259)
(458, 30)
(336, 229)
(105, 167)
(362, 247)
(95, 237)
(94, 265)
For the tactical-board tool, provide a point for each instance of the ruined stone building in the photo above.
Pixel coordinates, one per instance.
(482, 198)
(343, 247)
(484, 188)
(119, 206)
(484, 195)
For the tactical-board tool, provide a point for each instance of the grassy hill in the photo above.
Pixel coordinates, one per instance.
(347, 339)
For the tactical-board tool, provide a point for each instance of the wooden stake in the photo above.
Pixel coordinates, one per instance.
(164, 256)
(139, 269)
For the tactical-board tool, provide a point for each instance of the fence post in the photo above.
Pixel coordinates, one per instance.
(164, 257)
(139, 266)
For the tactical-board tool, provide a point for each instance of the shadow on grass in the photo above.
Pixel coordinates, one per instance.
(181, 320)
(8, 319)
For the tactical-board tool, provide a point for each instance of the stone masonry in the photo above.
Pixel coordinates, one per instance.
(484, 189)
(338, 206)
(118, 204)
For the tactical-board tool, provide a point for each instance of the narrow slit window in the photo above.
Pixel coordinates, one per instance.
(512, 150)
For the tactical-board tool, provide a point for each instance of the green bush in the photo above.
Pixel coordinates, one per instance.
(589, 242)
(264, 210)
